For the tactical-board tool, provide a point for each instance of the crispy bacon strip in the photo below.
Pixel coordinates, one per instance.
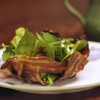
(76, 63)
(29, 68)
(4, 74)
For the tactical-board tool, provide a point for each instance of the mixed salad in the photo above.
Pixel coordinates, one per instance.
(32, 44)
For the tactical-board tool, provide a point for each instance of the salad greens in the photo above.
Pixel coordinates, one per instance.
(49, 78)
(27, 43)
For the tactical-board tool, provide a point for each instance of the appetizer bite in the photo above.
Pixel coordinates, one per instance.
(44, 58)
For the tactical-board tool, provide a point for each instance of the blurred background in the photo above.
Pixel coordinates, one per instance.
(37, 15)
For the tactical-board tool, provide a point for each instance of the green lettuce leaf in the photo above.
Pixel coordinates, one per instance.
(19, 34)
(49, 37)
(26, 44)
(8, 52)
(49, 78)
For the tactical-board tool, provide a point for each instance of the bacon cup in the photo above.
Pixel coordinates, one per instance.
(50, 60)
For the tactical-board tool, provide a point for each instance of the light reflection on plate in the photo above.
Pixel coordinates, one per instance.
(95, 51)
(86, 79)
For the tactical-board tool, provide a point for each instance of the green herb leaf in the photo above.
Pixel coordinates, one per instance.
(50, 51)
(81, 44)
(39, 37)
(26, 44)
(19, 34)
(49, 78)
(49, 37)
(58, 53)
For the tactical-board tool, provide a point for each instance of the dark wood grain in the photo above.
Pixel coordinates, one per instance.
(37, 15)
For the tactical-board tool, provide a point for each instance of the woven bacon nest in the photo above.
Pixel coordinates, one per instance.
(29, 68)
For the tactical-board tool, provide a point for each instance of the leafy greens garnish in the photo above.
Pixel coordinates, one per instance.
(27, 43)
(49, 78)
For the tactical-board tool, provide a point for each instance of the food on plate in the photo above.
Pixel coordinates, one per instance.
(4, 74)
(44, 58)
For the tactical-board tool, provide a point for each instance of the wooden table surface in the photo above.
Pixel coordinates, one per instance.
(38, 15)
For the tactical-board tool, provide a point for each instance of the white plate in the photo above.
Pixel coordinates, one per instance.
(85, 79)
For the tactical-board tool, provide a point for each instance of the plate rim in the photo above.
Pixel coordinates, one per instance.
(50, 88)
